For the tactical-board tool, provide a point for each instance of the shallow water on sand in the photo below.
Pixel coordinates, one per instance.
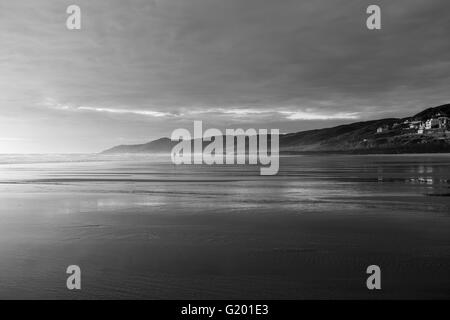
(141, 227)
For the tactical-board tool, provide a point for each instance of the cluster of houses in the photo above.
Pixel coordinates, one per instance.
(438, 123)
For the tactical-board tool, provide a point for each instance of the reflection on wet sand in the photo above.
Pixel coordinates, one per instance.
(141, 227)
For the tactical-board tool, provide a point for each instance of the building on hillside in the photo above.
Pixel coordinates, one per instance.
(432, 124)
(444, 122)
(382, 129)
(421, 129)
(415, 124)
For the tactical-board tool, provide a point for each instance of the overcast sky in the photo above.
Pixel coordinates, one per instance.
(139, 68)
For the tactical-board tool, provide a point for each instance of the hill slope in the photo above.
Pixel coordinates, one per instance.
(163, 145)
(443, 110)
(359, 137)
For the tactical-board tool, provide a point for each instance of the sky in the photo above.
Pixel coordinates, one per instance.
(138, 69)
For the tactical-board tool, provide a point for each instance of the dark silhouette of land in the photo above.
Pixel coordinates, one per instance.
(392, 135)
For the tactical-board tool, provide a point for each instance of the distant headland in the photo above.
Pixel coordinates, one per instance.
(425, 132)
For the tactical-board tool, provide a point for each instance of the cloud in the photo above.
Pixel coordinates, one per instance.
(150, 113)
(283, 63)
(295, 114)
(51, 103)
(301, 115)
(248, 113)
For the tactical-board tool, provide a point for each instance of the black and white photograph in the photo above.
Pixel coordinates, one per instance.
(229, 150)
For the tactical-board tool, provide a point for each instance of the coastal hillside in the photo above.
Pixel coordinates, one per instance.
(427, 131)
(163, 145)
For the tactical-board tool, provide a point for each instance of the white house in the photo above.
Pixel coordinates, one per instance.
(421, 129)
(431, 123)
(444, 122)
(415, 124)
(382, 129)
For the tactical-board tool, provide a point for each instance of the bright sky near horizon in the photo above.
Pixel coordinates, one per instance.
(138, 69)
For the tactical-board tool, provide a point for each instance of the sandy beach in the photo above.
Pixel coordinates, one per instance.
(143, 228)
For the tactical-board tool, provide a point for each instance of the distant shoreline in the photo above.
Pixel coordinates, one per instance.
(425, 132)
(370, 151)
(283, 153)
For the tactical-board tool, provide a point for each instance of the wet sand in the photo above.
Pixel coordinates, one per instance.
(308, 233)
